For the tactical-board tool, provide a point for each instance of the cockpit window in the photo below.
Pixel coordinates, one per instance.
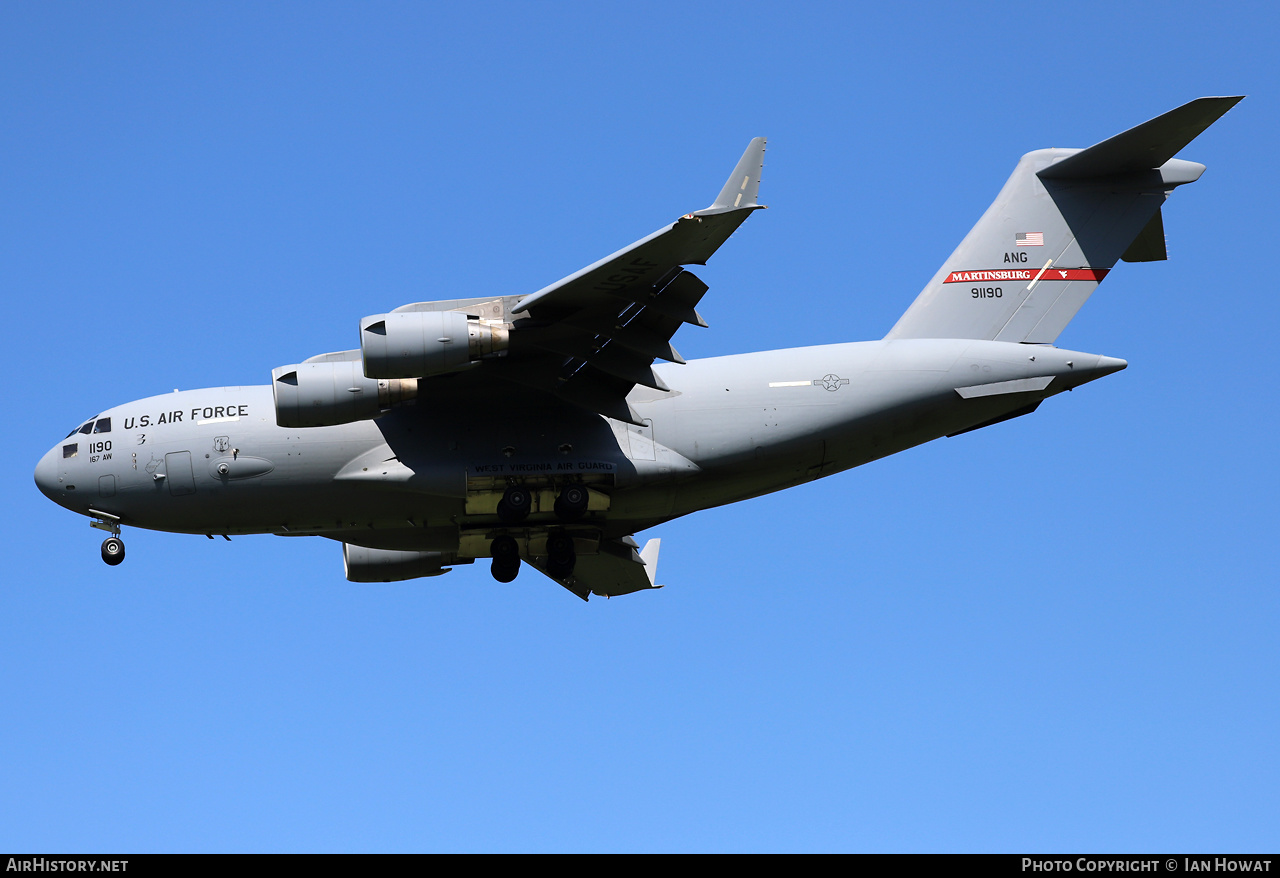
(103, 425)
(86, 428)
(71, 450)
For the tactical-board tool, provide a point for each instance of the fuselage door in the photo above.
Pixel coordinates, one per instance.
(177, 467)
(641, 441)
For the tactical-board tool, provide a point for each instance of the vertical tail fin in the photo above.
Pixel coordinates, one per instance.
(1056, 229)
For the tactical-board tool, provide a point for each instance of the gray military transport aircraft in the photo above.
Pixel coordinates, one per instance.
(582, 440)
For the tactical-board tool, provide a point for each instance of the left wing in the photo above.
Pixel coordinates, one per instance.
(618, 569)
(592, 336)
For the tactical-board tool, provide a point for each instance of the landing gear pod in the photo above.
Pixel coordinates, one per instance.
(326, 394)
(385, 565)
(414, 344)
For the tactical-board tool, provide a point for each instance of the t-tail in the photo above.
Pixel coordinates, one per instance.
(1056, 229)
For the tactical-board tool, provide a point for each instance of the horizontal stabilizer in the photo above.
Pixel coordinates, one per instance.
(1144, 146)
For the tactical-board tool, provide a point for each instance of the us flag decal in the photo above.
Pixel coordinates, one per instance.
(1029, 239)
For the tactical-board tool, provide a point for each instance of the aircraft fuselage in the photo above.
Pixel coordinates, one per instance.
(214, 461)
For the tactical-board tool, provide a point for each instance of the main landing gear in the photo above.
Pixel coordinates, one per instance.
(514, 505)
(561, 558)
(517, 502)
(505, 551)
(112, 546)
(572, 503)
(506, 558)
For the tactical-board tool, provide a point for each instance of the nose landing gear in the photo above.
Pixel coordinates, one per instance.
(113, 550)
(112, 546)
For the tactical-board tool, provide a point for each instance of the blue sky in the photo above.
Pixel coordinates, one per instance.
(1060, 633)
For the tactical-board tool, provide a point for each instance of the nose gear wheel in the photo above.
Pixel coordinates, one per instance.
(113, 550)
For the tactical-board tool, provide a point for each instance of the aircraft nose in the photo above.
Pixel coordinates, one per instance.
(47, 474)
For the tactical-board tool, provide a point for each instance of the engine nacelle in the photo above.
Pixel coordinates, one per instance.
(415, 344)
(327, 394)
(387, 565)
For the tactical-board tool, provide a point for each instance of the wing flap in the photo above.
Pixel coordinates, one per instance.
(600, 393)
(645, 342)
(673, 296)
(612, 360)
(690, 240)
(572, 380)
(617, 570)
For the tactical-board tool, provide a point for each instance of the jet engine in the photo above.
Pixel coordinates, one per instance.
(414, 344)
(386, 565)
(327, 394)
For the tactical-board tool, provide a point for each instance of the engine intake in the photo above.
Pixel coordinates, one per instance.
(327, 394)
(415, 344)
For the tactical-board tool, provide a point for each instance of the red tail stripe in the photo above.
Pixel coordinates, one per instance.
(997, 275)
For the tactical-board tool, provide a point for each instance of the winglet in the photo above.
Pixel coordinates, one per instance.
(743, 186)
(649, 555)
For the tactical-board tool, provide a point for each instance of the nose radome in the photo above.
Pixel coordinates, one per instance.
(47, 474)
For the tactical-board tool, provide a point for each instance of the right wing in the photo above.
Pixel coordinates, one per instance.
(690, 240)
(592, 336)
